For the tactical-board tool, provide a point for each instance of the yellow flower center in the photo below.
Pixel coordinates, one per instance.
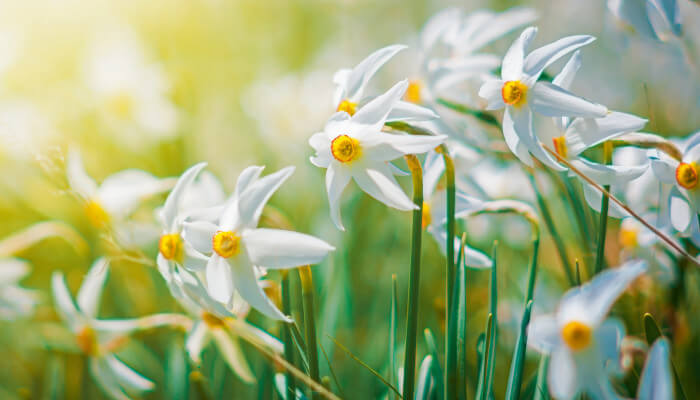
(427, 218)
(171, 247)
(345, 149)
(577, 335)
(413, 91)
(211, 320)
(628, 237)
(226, 244)
(121, 104)
(514, 93)
(97, 215)
(687, 175)
(347, 106)
(87, 340)
(560, 146)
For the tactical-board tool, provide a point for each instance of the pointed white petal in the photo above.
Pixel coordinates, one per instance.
(513, 61)
(543, 333)
(107, 381)
(196, 340)
(664, 168)
(64, 301)
(594, 198)
(232, 353)
(608, 338)
(248, 287)
(275, 248)
(553, 101)
(364, 71)
(378, 182)
(253, 199)
(374, 114)
(219, 279)
(246, 178)
(433, 167)
(78, 179)
(194, 260)
(491, 92)
(199, 234)
(88, 298)
(542, 57)
(12, 270)
(562, 375)
(174, 200)
(122, 192)
(130, 380)
(337, 178)
(405, 111)
(584, 133)
(681, 212)
(512, 137)
(387, 146)
(656, 382)
(501, 24)
(609, 174)
(565, 78)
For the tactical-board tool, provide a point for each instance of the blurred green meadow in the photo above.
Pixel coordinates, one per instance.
(247, 83)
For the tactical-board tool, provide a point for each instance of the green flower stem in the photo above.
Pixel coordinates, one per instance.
(414, 279)
(603, 224)
(451, 308)
(286, 332)
(307, 290)
(461, 108)
(549, 222)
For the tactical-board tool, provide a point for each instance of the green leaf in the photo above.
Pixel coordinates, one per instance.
(423, 385)
(393, 327)
(541, 390)
(516, 366)
(481, 391)
(177, 371)
(493, 305)
(436, 369)
(461, 292)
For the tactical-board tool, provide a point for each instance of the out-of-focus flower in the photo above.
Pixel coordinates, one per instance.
(108, 205)
(354, 147)
(115, 378)
(351, 85)
(435, 211)
(684, 197)
(131, 92)
(15, 301)
(655, 382)
(584, 345)
(24, 129)
(520, 93)
(237, 246)
(655, 19)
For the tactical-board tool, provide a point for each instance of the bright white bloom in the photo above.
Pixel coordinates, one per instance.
(521, 94)
(354, 147)
(238, 247)
(95, 340)
(108, 205)
(352, 83)
(655, 382)
(584, 345)
(24, 129)
(435, 211)
(15, 301)
(684, 197)
(131, 92)
(655, 19)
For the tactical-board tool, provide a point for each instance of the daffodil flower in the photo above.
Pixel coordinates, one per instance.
(684, 197)
(521, 94)
(655, 19)
(238, 247)
(15, 301)
(352, 83)
(108, 205)
(655, 382)
(435, 211)
(354, 147)
(115, 378)
(584, 345)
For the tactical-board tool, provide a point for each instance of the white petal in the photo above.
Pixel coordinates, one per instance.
(64, 301)
(199, 234)
(12, 270)
(565, 78)
(474, 258)
(174, 200)
(194, 260)
(591, 301)
(543, 333)
(501, 24)
(320, 142)
(664, 16)
(436, 26)
(276, 248)
(584, 133)
(103, 374)
(491, 92)
(196, 340)
(634, 14)
(362, 73)
(562, 375)
(219, 279)
(594, 198)
(374, 114)
(253, 200)
(337, 178)
(512, 138)
(88, 298)
(122, 192)
(246, 178)
(609, 174)
(405, 111)
(165, 268)
(655, 382)
(681, 212)
(378, 182)
(433, 167)
(78, 179)
(664, 168)
(542, 57)
(132, 381)
(608, 338)
(553, 101)
(231, 351)
(248, 287)
(387, 146)
(513, 61)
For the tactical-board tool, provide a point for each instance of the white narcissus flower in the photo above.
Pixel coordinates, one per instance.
(684, 197)
(108, 205)
(356, 148)
(655, 382)
(15, 301)
(655, 19)
(351, 85)
(583, 343)
(238, 247)
(435, 211)
(97, 341)
(522, 95)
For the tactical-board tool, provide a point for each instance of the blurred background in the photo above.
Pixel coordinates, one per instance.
(162, 84)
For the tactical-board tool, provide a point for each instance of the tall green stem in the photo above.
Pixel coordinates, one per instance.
(307, 290)
(414, 279)
(287, 334)
(603, 224)
(451, 308)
